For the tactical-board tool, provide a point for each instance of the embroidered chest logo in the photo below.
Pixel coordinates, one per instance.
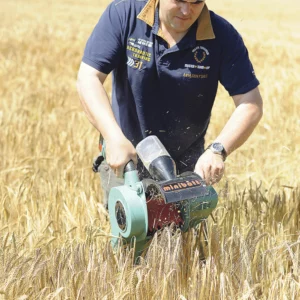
(200, 56)
(201, 62)
(203, 54)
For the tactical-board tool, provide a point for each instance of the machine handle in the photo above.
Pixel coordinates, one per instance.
(129, 167)
(132, 178)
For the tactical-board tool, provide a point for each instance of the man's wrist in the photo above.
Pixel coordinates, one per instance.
(218, 148)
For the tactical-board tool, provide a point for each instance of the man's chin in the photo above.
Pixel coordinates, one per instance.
(179, 27)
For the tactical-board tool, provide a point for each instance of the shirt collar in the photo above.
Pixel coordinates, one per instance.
(204, 29)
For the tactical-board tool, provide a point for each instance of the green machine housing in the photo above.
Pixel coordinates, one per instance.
(139, 208)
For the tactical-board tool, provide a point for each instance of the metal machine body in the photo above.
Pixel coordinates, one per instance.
(128, 212)
(140, 208)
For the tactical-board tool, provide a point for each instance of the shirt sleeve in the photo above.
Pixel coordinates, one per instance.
(236, 74)
(104, 47)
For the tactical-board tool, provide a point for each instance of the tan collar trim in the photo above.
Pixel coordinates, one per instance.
(204, 30)
(147, 14)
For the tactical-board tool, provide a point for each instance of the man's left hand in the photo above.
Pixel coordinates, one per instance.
(210, 167)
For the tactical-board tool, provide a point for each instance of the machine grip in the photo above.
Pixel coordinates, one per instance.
(129, 167)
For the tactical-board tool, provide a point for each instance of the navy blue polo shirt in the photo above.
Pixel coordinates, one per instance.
(168, 92)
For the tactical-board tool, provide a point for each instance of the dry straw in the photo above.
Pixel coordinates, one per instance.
(54, 230)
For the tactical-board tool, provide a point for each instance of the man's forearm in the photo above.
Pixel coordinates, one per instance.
(97, 106)
(241, 123)
(119, 150)
(210, 166)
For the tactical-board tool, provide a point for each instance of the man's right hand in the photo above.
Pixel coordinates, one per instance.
(119, 151)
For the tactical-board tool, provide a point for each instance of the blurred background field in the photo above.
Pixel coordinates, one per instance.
(54, 231)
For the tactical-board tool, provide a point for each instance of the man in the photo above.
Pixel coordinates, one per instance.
(167, 57)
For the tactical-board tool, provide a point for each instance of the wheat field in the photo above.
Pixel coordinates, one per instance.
(54, 230)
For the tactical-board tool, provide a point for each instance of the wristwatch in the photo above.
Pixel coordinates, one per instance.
(218, 148)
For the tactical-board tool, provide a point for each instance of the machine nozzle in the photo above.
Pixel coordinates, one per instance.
(156, 158)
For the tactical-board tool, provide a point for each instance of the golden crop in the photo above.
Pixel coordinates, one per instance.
(54, 231)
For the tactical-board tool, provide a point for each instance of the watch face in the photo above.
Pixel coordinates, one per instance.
(218, 147)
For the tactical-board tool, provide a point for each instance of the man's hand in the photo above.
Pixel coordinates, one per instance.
(210, 167)
(119, 151)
